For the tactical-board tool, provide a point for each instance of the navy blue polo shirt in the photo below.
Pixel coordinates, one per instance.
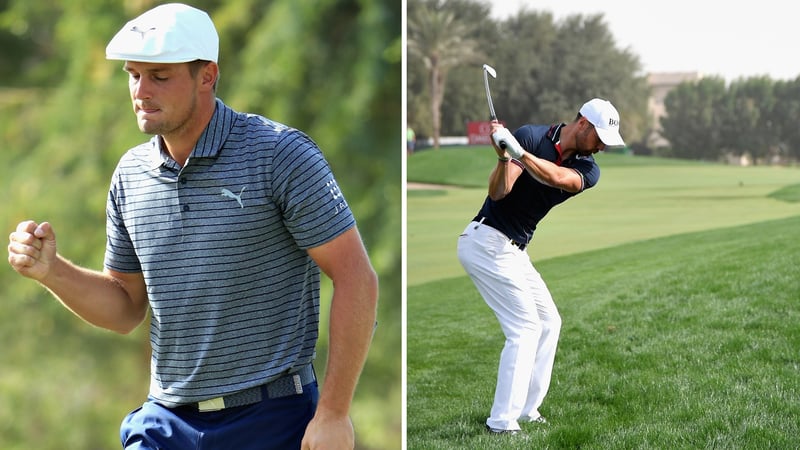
(517, 214)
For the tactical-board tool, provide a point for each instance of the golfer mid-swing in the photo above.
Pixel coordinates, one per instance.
(545, 166)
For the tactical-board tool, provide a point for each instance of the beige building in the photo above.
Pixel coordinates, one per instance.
(660, 85)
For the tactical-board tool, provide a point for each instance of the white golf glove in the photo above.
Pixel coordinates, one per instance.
(506, 141)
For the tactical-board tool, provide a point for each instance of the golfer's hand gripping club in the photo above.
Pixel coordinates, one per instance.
(506, 141)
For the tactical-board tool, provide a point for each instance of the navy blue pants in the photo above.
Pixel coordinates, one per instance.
(277, 423)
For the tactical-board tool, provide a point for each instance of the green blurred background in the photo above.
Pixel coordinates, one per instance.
(331, 68)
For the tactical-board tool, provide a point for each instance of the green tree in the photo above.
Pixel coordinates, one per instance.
(692, 124)
(521, 54)
(441, 42)
(785, 115)
(464, 99)
(562, 65)
(750, 128)
(27, 34)
(755, 117)
(546, 70)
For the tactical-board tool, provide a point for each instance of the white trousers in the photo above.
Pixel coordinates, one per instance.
(514, 290)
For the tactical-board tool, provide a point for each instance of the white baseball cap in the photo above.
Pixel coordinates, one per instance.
(171, 33)
(605, 118)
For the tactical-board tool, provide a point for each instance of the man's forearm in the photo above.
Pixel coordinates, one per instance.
(352, 324)
(501, 180)
(95, 297)
(551, 174)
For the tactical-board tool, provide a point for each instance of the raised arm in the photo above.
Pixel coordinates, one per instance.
(551, 174)
(542, 170)
(505, 173)
(502, 178)
(111, 300)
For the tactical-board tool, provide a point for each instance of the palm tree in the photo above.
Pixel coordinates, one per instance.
(438, 38)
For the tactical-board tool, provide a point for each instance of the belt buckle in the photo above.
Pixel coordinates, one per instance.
(287, 384)
(214, 404)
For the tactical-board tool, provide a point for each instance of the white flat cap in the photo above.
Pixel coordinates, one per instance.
(171, 33)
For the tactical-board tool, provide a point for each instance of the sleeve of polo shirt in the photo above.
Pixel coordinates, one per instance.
(528, 138)
(589, 170)
(313, 207)
(120, 254)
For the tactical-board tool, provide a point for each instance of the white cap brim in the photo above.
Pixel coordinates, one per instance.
(610, 138)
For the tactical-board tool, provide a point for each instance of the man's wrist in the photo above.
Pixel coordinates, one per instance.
(503, 159)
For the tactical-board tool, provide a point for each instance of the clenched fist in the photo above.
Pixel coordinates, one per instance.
(32, 249)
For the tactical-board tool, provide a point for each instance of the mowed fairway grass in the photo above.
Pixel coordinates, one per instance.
(679, 288)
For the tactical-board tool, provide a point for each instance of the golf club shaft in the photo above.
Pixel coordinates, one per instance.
(493, 116)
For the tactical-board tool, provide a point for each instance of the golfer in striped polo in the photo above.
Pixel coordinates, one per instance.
(219, 225)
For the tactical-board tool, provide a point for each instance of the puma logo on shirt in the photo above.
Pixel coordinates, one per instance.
(228, 193)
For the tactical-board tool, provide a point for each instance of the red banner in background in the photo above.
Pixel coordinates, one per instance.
(478, 133)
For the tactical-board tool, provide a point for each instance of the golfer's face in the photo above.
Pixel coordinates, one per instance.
(589, 142)
(163, 95)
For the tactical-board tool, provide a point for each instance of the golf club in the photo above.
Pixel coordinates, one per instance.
(487, 69)
(503, 138)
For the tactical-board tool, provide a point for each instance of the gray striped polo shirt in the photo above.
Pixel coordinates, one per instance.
(222, 245)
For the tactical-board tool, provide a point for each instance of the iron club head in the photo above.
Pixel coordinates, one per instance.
(490, 70)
